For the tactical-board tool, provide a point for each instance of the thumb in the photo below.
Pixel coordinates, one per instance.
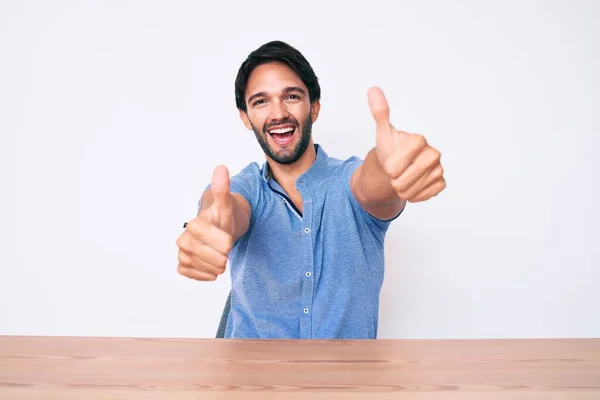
(220, 189)
(381, 113)
(379, 108)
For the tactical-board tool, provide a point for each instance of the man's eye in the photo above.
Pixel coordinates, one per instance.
(293, 96)
(258, 102)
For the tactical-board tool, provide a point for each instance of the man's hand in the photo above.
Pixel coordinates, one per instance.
(204, 246)
(412, 165)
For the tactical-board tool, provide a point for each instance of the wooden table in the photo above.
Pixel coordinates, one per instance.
(176, 369)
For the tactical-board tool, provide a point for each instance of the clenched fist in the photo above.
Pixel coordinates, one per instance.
(412, 165)
(205, 244)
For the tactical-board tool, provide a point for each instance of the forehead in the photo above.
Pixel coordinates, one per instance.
(272, 77)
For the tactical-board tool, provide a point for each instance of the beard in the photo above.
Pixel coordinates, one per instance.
(286, 155)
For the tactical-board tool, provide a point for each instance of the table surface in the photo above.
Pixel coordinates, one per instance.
(140, 368)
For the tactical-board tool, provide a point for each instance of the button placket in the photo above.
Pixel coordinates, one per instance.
(307, 261)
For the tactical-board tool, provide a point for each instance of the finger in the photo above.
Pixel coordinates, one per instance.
(404, 155)
(209, 234)
(193, 261)
(195, 274)
(204, 257)
(433, 174)
(419, 169)
(210, 256)
(433, 189)
(379, 108)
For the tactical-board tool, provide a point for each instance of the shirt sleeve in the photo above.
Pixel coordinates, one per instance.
(348, 168)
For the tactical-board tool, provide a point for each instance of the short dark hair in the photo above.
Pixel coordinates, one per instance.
(276, 51)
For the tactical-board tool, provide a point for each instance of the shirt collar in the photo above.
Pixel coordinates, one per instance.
(313, 171)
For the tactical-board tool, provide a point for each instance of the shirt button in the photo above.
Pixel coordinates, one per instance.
(306, 311)
(308, 273)
(306, 230)
(284, 201)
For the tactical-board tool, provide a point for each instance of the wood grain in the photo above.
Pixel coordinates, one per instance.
(178, 369)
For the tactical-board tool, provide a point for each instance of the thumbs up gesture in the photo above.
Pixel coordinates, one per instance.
(205, 244)
(412, 165)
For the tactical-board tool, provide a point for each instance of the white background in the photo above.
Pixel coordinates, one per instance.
(114, 114)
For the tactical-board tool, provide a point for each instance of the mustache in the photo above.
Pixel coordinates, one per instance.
(281, 122)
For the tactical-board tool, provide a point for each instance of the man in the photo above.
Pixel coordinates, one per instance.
(304, 233)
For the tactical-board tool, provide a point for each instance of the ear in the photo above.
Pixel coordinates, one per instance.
(245, 120)
(315, 108)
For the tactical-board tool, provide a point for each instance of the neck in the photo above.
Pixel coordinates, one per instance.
(286, 174)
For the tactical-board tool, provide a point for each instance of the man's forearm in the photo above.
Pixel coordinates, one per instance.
(374, 189)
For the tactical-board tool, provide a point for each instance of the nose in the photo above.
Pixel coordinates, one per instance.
(279, 111)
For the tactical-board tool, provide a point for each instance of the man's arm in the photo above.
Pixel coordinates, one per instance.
(373, 190)
(402, 167)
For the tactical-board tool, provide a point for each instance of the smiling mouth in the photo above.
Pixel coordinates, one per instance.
(283, 134)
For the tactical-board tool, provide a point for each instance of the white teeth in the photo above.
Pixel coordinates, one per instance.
(284, 130)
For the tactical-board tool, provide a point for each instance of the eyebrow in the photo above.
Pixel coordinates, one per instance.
(286, 90)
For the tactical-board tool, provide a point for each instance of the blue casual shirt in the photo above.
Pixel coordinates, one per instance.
(315, 274)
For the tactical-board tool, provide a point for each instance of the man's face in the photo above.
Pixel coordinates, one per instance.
(279, 112)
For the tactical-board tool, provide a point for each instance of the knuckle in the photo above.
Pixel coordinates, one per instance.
(198, 230)
(202, 223)
(199, 224)
(419, 140)
(185, 259)
(410, 194)
(193, 225)
(179, 241)
(221, 262)
(228, 242)
(389, 168)
(399, 185)
(219, 265)
(183, 243)
(402, 194)
(181, 270)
